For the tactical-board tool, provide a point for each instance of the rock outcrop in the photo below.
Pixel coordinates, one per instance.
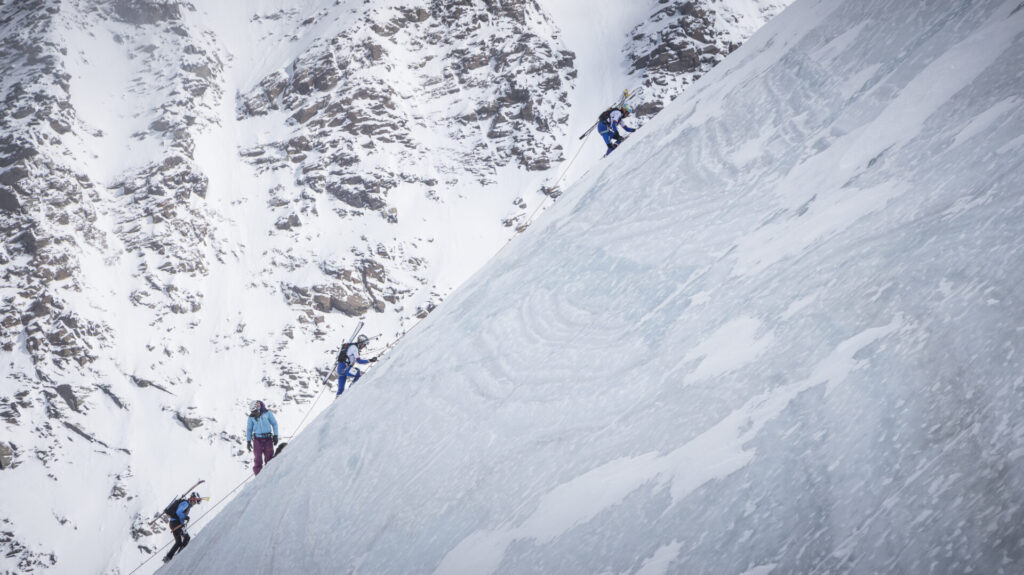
(683, 39)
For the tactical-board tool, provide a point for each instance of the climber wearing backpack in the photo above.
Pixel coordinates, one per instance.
(178, 512)
(609, 122)
(348, 357)
(261, 430)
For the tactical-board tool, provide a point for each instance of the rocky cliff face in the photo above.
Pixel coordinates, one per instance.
(418, 98)
(476, 74)
(47, 206)
(175, 211)
(45, 213)
(58, 221)
(683, 39)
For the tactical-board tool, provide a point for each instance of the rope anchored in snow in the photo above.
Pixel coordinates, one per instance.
(323, 384)
(625, 97)
(197, 520)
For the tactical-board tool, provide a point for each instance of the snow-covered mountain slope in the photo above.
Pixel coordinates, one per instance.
(200, 199)
(795, 349)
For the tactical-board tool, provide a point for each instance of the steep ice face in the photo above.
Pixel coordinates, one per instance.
(793, 350)
(199, 199)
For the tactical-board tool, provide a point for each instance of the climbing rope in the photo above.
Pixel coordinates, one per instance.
(244, 481)
(323, 386)
(197, 520)
(389, 346)
(554, 186)
(529, 220)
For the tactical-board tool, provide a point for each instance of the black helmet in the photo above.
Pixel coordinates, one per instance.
(362, 340)
(194, 498)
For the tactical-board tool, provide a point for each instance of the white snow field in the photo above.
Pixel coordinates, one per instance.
(779, 331)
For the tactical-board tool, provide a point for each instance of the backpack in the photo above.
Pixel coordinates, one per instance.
(343, 354)
(171, 509)
(605, 116)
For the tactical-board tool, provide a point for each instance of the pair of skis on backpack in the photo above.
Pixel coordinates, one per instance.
(175, 500)
(625, 97)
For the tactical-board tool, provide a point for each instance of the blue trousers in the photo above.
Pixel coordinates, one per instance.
(611, 137)
(344, 372)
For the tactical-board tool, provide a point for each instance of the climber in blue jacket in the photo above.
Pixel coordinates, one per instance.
(179, 518)
(609, 122)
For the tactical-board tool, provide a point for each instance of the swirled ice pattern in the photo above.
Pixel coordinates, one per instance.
(780, 330)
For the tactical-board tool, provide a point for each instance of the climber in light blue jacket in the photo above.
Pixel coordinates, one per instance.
(261, 428)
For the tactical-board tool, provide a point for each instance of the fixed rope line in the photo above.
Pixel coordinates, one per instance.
(386, 348)
(529, 221)
(198, 519)
(554, 186)
(629, 96)
(323, 385)
(214, 506)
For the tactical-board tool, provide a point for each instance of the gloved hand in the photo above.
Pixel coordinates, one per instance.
(372, 359)
(275, 440)
(248, 445)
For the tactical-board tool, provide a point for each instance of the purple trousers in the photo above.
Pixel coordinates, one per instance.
(263, 451)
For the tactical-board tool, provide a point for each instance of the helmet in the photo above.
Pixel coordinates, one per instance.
(254, 405)
(362, 340)
(627, 109)
(194, 497)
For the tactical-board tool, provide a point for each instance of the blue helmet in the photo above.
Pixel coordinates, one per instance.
(627, 109)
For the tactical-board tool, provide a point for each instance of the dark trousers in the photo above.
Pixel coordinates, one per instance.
(181, 538)
(263, 451)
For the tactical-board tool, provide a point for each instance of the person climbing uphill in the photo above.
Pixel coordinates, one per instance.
(261, 430)
(609, 122)
(178, 512)
(348, 357)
